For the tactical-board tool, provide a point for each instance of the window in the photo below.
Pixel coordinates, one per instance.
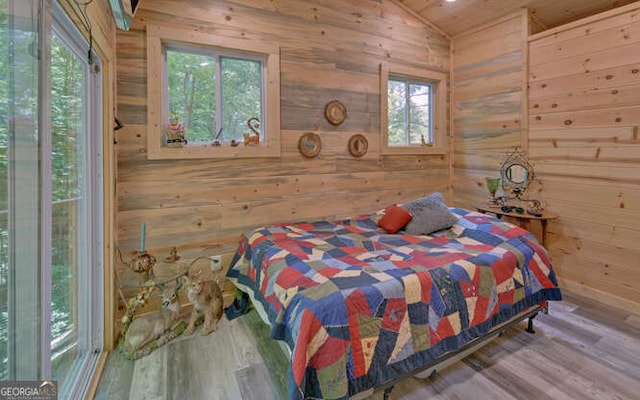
(211, 96)
(413, 110)
(51, 218)
(410, 111)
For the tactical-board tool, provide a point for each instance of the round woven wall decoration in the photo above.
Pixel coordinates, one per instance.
(358, 145)
(309, 145)
(335, 112)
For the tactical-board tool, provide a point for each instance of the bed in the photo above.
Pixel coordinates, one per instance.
(359, 308)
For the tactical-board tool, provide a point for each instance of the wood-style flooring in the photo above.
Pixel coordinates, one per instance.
(581, 350)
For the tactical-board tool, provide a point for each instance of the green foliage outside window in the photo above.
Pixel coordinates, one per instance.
(409, 108)
(241, 95)
(209, 91)
(192, 93)
(67, 128)
(397, 112)
(68, 143)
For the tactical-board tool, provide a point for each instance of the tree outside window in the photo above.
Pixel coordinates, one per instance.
(410, 112)
(211, 92)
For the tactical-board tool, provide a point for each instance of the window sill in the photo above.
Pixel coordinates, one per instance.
(409, 150)
(212, 152)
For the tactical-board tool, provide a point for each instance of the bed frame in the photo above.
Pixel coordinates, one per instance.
(439, 364)
(452, 357)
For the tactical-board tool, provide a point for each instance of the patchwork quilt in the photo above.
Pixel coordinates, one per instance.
(359, 307)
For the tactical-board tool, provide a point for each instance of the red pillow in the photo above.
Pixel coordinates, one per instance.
(395, 219)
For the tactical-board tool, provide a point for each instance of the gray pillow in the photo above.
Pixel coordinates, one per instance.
(430, 214)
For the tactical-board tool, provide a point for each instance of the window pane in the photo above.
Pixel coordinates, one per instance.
(192, 93)
(68, 170)
(72, 231)
(419, 113)
(20, 309)
(397, 105)
(195, 89)
(241, 96)
(4, 190)
(409, 112)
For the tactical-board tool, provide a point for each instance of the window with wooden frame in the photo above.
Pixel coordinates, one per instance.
(413, 110)
(211, 97)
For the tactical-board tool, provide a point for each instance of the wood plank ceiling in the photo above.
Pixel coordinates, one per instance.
(457, 17)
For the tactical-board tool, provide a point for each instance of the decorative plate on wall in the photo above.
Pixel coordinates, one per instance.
(309, 145)
(335, 112)
(358, 145)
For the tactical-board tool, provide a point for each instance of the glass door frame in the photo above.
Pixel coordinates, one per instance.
(29, 298)
(90, 310)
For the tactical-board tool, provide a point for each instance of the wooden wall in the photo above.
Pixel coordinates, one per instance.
(489, 97)
(578, 121)
(584, 118)
(329, 50)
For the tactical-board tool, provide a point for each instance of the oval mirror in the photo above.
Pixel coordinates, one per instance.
(517, 173)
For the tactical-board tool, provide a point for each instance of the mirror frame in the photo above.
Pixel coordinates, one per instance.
(516, 189)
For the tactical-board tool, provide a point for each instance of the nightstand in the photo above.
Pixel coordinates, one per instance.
(521, 218)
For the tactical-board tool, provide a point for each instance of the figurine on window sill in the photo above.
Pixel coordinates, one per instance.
(252, 140)
(175, 132)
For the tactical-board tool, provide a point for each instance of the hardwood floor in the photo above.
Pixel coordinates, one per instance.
(581, 350)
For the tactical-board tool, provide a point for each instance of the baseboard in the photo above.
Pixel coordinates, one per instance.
(603, 297)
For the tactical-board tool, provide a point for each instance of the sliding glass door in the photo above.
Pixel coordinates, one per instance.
(20, 316)
(50, 199)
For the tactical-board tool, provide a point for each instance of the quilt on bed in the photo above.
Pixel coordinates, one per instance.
(359, 307)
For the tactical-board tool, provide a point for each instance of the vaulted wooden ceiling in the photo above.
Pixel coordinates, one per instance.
(459, 16)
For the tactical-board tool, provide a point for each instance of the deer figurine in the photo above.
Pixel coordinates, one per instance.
(146, 328)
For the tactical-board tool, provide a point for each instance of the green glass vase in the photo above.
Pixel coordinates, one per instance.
(492, 187)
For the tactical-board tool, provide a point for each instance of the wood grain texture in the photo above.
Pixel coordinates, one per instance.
(581, 349)
(489, 121)
(583, 139)
(456, 18)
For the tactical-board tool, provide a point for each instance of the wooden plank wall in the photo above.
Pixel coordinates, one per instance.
(584, 123)
(489, 94)
(330, 50)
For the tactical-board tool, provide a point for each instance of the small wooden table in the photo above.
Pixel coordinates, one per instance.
(524, 217)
